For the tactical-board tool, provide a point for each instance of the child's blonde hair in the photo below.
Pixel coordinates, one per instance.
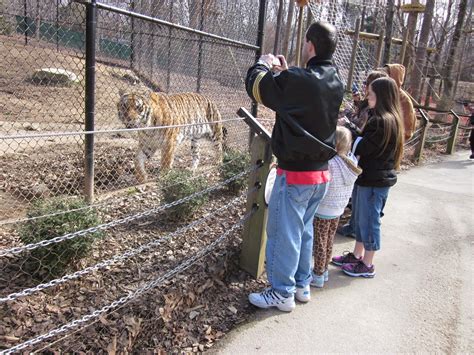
(343, 140)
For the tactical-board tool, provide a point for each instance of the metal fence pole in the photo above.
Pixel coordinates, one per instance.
(260, 33)
(57, 25)
(168, 66)
(132, 36)
(25, 13)
(91, 27)
(199, 69)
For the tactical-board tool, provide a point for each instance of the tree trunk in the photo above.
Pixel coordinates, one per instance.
(420, 54)
(446, 100)
(289, 24)
(437, 58)
(276, 45)
(411, 28)
(463, 51)
(390, 11)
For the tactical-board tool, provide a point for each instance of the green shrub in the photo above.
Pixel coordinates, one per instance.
(55, 259)
(234, 162)
(180, 183)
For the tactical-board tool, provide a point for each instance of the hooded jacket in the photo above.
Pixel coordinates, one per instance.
(306, 102)
(397, 73)
(344, 172)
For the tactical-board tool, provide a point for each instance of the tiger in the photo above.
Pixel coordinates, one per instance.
(151, 109)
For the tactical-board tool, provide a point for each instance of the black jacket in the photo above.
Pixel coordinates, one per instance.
(378, 167)
(307, 104)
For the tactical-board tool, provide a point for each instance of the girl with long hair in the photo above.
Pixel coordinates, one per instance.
(380, 149)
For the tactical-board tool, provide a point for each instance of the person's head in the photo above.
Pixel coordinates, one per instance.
(374, 74)
(321, 40)
(343, 140)
(383, 97)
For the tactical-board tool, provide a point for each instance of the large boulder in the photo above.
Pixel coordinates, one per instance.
(54, 76)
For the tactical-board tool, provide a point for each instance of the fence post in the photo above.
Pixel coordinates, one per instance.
(378, 56)
(132, 35)
(260, 32)
(451, 146)
(199, 68)
(353, 56)
(299, 38)
(25, 20)
(91, 26)
(168, 63)
(254, 236)
(404, 45)
(419, 148)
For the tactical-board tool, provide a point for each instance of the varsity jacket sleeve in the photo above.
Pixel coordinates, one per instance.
(265, 87)
(370, 143)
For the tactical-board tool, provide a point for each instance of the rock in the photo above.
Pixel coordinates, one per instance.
(193, 314)
(55, 76)
(232, 309)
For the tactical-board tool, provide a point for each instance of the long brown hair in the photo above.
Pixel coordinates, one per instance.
(387, 106)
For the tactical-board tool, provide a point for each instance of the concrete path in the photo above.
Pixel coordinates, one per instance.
(422, 297)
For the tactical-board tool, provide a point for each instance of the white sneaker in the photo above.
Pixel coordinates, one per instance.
(270, 298)
(303, 294)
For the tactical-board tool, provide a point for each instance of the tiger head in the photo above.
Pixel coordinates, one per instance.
(134, 110)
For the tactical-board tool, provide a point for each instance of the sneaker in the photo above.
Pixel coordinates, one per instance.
(303, 294)
(345, 258)
(270, 298)
(326, 275)
(317, 281)
(359, 270)
(472, 156)
(345, 231)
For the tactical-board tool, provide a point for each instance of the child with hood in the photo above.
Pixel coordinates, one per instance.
(397, 73)
(344, 171)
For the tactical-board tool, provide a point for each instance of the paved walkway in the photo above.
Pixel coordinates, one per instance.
(422, 296)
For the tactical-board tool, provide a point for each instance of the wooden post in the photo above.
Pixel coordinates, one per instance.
(404, 45)
(419, 148)
(299, 38)
(378, 56)
(353, 56)
(451, 146)
(254, 238)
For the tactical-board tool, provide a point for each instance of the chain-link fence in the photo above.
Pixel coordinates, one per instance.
(114, 95)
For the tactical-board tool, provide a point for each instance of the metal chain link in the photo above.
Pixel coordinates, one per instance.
(121, 257)
(148, 286)
(17, 250)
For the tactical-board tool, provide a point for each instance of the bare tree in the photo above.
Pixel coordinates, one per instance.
(447, 97)
(278, 26)
(388, 30)
(420, 55)
(439, 48)
(289, 24)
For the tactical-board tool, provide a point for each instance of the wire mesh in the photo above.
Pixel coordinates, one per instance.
(42, 120)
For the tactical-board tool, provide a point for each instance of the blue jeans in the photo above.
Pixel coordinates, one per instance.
(370, 202)
(290, 234)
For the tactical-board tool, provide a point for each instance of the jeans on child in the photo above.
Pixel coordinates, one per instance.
(289, 246)
(370, 202)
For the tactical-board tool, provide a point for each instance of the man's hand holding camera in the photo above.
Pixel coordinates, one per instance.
(275, 63)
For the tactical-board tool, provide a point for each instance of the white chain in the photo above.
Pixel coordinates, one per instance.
(148, 286)
(43, 243)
